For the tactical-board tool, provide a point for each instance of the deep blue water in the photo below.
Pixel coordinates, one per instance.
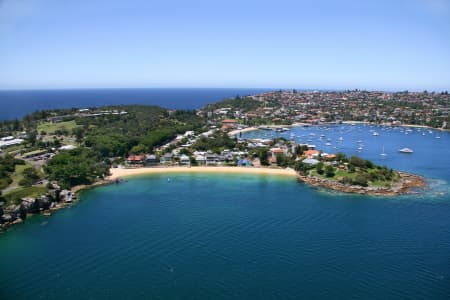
(16, 104)
(204, 236)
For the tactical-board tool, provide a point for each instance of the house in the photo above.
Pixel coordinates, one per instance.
(211, 159)
(185, 160)
(228, 123)
(310, 161)
(200, 159)
(150, 160)
(134, 160)
(311, 153)
(166, 159)
(244, 163)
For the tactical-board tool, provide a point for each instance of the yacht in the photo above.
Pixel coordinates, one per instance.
(375, 133)
(406, 150)
(383, 153)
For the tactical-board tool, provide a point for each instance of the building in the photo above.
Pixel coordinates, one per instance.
(150, 160)
(228, 124)
(185, 160)
(135, 160)
(311, 153)
(310, 161)
(166, 159)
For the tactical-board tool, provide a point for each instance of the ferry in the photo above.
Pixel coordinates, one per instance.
(406, 150)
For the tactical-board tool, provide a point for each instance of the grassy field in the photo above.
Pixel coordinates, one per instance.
(14, 197)
(51, 128)
(18, 174)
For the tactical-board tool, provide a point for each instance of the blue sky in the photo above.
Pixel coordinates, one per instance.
(384, 44)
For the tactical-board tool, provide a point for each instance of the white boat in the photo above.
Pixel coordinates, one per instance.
(375, 133)
(406, 150)
(341, 138)
(360, 148)
(382, 153)
(327, 144)
(438, 137)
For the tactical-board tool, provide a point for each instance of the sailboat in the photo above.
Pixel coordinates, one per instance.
(382, 153)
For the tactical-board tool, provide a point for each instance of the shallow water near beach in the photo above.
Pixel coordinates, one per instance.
(243, 236)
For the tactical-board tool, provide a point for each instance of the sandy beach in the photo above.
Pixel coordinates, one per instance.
(121, 172)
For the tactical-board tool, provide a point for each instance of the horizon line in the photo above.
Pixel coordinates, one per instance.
(215, 88)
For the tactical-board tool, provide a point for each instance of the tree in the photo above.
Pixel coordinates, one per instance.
(75, 167)
(29, 177)
(263, 157)
(329, 171)
(319, 168)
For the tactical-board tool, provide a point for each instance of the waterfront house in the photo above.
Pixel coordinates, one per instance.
(166, 159)
(135, 160)
(244, 163)
(150, 160)
(185, 160)
(211, 159)
(200, 159)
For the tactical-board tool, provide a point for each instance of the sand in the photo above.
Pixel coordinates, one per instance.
(122, 172)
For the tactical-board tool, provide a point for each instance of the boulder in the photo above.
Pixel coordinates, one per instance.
(8, 218)
(30, 205)
(44, 202)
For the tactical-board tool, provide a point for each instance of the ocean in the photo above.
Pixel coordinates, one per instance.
(18, 103)
(223, 236)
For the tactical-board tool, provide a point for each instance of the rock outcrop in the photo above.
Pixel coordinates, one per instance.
(407, 184)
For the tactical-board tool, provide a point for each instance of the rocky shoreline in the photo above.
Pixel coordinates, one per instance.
(55, 199)
(407, 184)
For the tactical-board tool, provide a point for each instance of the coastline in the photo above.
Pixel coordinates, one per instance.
(118, 173)
(254, 128)
(389, 125)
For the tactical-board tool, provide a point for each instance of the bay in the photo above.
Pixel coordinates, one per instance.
(223, 236)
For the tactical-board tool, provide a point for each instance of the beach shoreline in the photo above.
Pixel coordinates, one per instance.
(118, 173)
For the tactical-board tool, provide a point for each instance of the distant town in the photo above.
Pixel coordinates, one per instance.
(317, 107)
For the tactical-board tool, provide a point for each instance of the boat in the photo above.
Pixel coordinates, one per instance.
(375, 133)
(341, 138)
(328, 144)
(383, 153)
(360, 148)
(438, 137)
(406, 150)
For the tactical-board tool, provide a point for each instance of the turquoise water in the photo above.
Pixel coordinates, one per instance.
(213, 236)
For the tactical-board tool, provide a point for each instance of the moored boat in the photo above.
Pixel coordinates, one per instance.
(406, 150)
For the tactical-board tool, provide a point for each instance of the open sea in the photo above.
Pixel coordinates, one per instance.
(18, 103)
(213, 236)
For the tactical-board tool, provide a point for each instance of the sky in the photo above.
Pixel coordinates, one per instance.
(320, 44)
